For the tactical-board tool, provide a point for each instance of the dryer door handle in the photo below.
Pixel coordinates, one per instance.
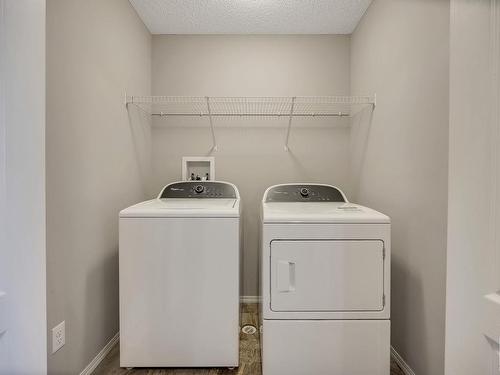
(285, 276)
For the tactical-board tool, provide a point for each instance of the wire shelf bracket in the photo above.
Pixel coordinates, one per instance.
(290, 118)
(210, 118)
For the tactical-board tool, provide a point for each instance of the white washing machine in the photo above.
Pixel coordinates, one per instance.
(179, 278)
(325, 284)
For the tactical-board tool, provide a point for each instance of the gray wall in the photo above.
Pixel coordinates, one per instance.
(22, 187)
(473, 259)
(251, 153)
(400, 51)
(96, 50)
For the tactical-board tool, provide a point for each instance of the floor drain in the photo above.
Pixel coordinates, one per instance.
(248, 330)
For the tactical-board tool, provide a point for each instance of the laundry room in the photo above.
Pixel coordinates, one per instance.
(251, 187)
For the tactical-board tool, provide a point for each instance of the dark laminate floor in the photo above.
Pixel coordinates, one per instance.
(249, 356)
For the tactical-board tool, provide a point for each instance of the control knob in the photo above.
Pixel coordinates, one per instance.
(199, 189)
(304, 192)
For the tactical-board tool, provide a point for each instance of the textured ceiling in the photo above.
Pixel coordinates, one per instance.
(251, 16)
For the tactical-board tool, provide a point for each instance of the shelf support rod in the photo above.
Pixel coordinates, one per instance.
(209, 110)
(289, 124)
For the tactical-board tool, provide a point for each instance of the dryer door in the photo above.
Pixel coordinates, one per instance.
(327, 275)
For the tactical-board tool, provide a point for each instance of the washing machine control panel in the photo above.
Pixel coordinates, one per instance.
(304, 193)
(199, 189)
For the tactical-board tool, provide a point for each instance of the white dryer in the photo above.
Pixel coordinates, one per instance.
(325, 284)
(179, 278)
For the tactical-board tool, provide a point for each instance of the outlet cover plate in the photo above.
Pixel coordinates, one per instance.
(58, 336)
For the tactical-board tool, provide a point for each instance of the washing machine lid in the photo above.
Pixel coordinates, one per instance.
(314, 203)
(190, 199)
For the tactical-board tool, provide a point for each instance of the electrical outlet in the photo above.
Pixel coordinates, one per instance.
(58, 337)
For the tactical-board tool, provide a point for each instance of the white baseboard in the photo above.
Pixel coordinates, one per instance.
(401, 362)
(101, 355)
(249, 299)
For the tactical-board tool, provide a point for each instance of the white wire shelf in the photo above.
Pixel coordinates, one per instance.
(251, 107)
(301, 106)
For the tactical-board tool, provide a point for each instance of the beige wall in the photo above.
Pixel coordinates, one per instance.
(473, 259)
(96, 50)
(400, 51)
(251, 153)
(22, 188)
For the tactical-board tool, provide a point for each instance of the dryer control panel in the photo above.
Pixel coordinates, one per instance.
(199, 189)
(304, 193)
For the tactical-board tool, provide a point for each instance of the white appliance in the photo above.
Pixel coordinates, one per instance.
(325, 284)
(179, 278)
